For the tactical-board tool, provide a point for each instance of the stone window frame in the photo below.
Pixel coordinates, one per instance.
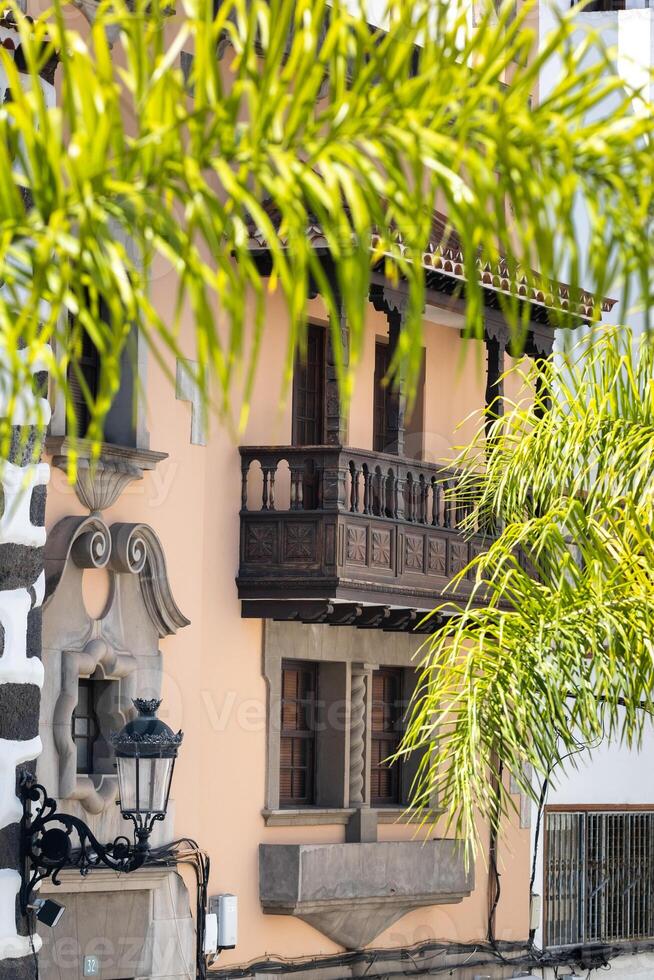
(95, 791)
(343, 654)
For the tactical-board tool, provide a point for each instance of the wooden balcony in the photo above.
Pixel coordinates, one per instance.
(347, 536)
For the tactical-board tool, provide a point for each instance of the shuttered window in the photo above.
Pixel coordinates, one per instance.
(298, 734)
(599, 876)
(120, 420)
(88, 365)
(380, 400)
(308, 390)
(386, 732)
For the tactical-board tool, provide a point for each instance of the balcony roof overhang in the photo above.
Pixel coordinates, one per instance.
(333, 612)
(445, 272)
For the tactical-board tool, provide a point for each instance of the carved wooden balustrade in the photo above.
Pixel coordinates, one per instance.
(339, 523)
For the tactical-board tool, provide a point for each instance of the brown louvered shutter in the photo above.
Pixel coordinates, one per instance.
(298, 737)
(89, 366)
(386, 731)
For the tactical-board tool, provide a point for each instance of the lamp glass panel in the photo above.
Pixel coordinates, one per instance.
(154, 778)
(143, 784)
(127, 782)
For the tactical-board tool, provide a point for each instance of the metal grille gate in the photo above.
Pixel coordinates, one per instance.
(599, 876)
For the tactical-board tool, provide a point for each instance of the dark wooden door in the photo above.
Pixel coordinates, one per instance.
(308, 390)
(380, 402)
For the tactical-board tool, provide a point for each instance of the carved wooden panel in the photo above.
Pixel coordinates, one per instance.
(330, 544)
(436, 558)
(458, 556)
(299, 542)
(414, 558)
(475, 550)
(260, 542)
(355, 544)
(381, 548)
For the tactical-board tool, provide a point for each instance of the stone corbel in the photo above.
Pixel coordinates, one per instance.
(100, 481)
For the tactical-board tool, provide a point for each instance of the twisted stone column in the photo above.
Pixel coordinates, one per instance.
(363, 822)
(358, 699)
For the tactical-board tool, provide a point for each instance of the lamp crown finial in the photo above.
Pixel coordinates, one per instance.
(147, 707)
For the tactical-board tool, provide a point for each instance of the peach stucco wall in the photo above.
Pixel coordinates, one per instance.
(213, 684)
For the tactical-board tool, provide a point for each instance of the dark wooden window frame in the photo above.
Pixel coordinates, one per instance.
(385, 738)
(414, 424)
(380, 397)
(86, 719)
(120, 422)
(308, 428)
(300, 738)
(88, 366)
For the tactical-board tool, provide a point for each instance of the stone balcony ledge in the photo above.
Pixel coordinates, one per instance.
(352, 892)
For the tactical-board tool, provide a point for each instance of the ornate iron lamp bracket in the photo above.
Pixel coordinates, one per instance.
(53, 841)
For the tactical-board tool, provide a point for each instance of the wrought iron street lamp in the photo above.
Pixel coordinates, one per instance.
(146, 749)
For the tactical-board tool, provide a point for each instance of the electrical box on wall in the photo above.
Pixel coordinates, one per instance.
(225, 908)
(210, 933)
(534, 912)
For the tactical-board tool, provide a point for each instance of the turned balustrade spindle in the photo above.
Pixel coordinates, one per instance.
(435, 502)
(297, 486)
(398, 493)
(268, 493)
(354, 487)
(367, 490)
(423, 500)
(244, 486)
(450, 516)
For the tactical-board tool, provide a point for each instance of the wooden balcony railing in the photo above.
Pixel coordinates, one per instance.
(341, 523)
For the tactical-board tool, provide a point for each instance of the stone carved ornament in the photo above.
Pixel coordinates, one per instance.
(140, 610)
(123, 548)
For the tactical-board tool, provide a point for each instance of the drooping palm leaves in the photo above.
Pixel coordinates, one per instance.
(561, 650)
(143, 169)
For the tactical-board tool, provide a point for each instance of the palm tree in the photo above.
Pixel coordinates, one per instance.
(560, 653)
(143, 166)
